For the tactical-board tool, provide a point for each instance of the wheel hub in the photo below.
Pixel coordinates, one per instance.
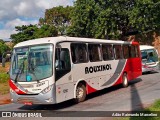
(80, 93)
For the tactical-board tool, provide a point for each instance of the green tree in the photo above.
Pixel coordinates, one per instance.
(113, 19)
(28, 32)
(145, 15)
(58, 17)
(2, 41)
(25, 32)
(3, 48)
(46, 31)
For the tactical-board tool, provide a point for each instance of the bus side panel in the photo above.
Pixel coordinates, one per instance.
(90, 89)
(132, 68)
(64, 91)
(64, 84)
(98, 78)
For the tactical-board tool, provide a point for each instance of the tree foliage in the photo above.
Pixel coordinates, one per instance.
(2, 41)
(107, 19)
(58, 17)
(28, 32)
(55, 22)
(114, 19)
(3, 47)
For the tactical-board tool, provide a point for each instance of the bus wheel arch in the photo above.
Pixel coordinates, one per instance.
(80, 91)
(124, 80)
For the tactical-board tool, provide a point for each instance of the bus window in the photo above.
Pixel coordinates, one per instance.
(94, 52)
(118, 51)
(144, 55)
(79, 53)
(137, 51)
(107, 52)
(125, 51)
(62, 62)
(134, 51)
(152, 56)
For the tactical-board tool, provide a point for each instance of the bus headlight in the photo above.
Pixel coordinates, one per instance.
(11, 90)
(144, 66)
(47, 89)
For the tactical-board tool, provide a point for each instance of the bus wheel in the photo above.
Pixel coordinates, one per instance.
(80, 93)
(125, 80)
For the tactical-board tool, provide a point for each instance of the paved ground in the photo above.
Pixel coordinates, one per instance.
(142, 92)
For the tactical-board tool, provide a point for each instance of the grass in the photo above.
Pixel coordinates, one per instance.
(155, 106)
(4, 77)
(154, 109)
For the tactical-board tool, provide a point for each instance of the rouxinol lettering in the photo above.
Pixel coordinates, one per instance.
(97, 68)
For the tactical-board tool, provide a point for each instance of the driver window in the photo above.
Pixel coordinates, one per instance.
(62, 61)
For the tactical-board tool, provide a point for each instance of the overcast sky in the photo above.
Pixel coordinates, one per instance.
(24, 12)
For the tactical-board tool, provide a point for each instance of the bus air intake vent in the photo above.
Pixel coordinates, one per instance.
(28, 99)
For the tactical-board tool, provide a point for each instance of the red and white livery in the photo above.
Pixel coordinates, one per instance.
(55, 69)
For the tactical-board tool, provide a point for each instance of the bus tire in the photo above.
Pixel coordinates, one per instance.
(125, 80)
(80, 93)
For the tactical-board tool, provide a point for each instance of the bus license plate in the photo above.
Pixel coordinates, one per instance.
(28, 103)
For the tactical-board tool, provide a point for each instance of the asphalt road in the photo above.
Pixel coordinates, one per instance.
(141, 92)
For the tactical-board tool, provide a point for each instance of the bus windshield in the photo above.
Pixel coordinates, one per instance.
(31, 63)
(149, 56)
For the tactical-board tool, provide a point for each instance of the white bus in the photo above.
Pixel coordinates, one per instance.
(150, 60)
(55, 69)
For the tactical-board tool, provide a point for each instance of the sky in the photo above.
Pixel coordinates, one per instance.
(24, 12)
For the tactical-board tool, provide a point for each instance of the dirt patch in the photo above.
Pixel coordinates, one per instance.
(5, 69)
(5, 99)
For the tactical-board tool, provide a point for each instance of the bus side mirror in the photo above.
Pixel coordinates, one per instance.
(3, 62)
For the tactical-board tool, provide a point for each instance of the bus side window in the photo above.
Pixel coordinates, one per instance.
(79, 53)
(118, 51)
(133, 51)
(107, 52)
(62, 61)
(126, 51)
(94, 52)
(137, 51)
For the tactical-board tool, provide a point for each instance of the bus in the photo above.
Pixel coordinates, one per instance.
(55, 69)
(150, 60)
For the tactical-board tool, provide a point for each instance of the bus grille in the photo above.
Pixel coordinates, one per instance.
(28, 99)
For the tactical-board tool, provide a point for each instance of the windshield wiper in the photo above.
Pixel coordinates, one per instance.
(31, 66)
(20, 70)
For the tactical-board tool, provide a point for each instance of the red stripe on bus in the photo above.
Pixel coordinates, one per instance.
(90, 89)
(15, 88)
(132, 68)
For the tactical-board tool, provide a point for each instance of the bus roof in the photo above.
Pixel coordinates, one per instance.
(55, 40)
(146, 47)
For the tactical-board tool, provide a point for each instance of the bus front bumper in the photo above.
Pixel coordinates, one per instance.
(150, 68)
(28, 99)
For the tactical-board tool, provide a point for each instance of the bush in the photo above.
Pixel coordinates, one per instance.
(3, 48)
(4, 77)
